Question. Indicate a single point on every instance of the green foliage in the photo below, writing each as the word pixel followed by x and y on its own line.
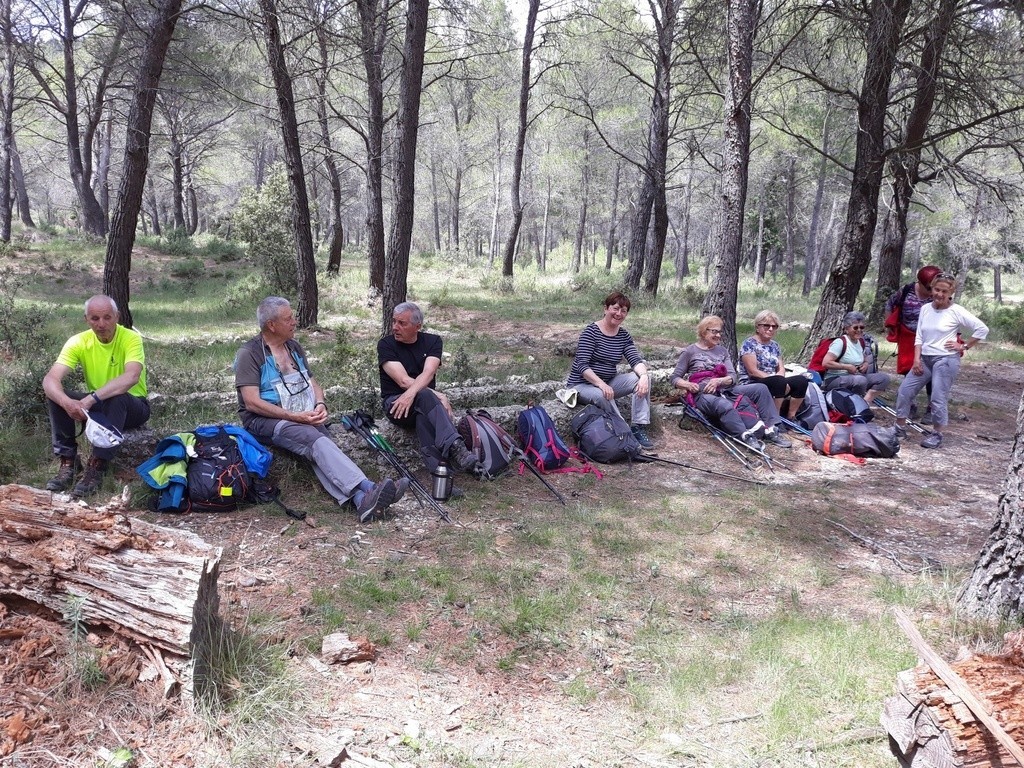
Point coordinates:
pixel 221 250
pixel 1009 322
pixel 263 220
pixel 462 365
pixel 22 327
pixel 85 663
pixel 189 269
pixel 352 366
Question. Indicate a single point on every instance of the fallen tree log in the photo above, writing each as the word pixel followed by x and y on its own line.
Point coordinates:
pixel 156 585
pixel 932 726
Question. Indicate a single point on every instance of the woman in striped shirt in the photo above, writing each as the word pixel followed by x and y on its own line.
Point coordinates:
pixel 595 375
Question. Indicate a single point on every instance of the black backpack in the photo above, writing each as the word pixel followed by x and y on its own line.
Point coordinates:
pixel 604 437
pixel 849 404
pixel 217 478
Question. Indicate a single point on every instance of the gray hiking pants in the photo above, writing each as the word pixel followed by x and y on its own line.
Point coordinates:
pixel 859 384
pixel 941 371
pixel 337 473
pixel 623 384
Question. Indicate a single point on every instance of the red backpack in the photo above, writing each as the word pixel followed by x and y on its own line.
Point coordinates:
pixel 818 358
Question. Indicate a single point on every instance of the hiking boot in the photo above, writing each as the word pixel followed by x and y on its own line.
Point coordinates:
pixel 401 486
pixel 69 467
pixel 901 432
pixel 927 418
pixel 92 478
pixel 377 499
pixel 775 438
pixel 460 457
pixel 934 440
pixel 753 442
pixel 640 433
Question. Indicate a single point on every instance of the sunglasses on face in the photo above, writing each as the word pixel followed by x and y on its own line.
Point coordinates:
pixel 857 327
pixel 768 325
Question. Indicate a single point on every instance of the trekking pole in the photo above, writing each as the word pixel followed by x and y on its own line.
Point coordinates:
pixel 892 412
pixel 719 436
pixel 362 424
pixel 518 454
pixel 391 455
pixel 794 426
pixel 643 457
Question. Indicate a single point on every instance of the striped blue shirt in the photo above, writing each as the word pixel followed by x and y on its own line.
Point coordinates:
pixel 602 354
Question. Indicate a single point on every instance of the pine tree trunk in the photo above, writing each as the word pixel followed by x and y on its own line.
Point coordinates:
pixel 136 157
pixel 308 310
pixel 396 266
pixel 372 27
pixel 851 263
pixel 721 296
pixel 996 586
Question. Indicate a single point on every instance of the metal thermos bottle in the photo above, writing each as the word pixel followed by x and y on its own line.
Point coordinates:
pixel 441 487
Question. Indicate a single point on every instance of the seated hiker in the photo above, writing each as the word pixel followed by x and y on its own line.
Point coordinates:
pixel 705 371
pixel 848 364
pixel 114 368
pixel 408 360
pixel 281 403
pixel 594 373
pixel 761 357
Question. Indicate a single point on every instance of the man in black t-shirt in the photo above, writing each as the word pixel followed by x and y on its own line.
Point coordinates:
pixel 408 360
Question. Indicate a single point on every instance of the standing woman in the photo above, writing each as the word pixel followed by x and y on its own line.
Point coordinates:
pixel 937 353
pixel 595 376
pixel 902 311
pixel 761 356
pixel 846 363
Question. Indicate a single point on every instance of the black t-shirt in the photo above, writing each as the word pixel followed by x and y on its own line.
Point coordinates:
pixel 411 356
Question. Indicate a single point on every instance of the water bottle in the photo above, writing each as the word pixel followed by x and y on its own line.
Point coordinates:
pixel 441 487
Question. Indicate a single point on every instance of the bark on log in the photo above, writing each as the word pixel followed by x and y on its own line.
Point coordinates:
pixel 930 726
pixel 154 584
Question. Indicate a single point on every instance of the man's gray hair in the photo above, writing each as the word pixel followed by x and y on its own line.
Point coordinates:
pixel 853 318
pixel 91 299
pixel 408 306
pixel 269 309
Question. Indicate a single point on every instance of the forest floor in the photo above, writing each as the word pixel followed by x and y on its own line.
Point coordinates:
pixel 467 676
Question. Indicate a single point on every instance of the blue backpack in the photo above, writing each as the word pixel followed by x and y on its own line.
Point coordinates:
pixel 543 446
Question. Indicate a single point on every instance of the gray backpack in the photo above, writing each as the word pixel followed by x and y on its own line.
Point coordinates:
pixel 865 440
pixel 604 437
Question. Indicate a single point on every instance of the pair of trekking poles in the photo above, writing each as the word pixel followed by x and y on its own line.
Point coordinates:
pixel 362 424
pixel 750 456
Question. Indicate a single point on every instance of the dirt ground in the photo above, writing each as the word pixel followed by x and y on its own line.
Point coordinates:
pixel 381 710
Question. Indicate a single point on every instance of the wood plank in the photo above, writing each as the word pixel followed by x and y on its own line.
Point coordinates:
pixel 958 686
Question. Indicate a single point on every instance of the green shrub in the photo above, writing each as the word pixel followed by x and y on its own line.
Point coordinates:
pixel 222 250
pixel 188 269
pixel 1009 322
pixel 263 220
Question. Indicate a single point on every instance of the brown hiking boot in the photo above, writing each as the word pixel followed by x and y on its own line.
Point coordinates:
pixel 92 479
pixel 69 467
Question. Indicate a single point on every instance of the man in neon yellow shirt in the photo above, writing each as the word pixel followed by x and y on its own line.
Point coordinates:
pixel 114 367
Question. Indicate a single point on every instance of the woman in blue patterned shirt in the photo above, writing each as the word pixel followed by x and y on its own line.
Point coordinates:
pixel 761 358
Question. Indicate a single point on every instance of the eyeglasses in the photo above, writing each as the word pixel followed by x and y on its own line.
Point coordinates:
pixel 767 325
pixel 857 327
pixel 715 330
pixel 301 388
